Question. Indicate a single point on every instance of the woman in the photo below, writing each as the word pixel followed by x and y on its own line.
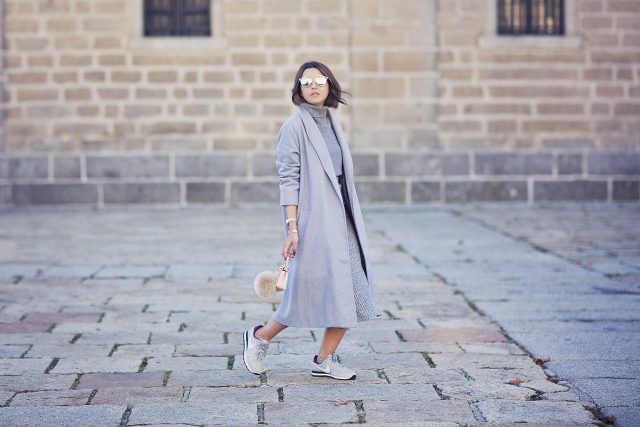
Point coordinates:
pixel 329 284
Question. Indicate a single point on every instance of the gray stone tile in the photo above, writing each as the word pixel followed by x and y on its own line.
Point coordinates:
pixel 34 194
pixel 256 395
pixel 626 190
pixel 264 165
pixel 211 165
pixel 254 192
pixel 365 164
pixel 13 351
pixel 206 192
pixel 23 366
pixel 473 390
pixel 96 364
pixel 23 167
pixel 569 190
pixel 187 363
pixel 10 270
pixel 130 271
pixel 71 271
pixel 43 416
pixel 512 164
pixel 350 391
pixel 408 411
pixel 614 163
pixel 120 380
pixel 137 395
pixel 6 194
pixel 280 413
pixel 215 378
pixel 512 411
pixel 194 413
pixel 65 166
pixel 52 398
pixel 279 377
pixel 568 163
pixel 130 166
pixel 36 381
pixel 147 192
pixel 425 191
pixel 372 191
pixel 471 191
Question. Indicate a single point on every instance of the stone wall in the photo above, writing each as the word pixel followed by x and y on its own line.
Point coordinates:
pixel 442 109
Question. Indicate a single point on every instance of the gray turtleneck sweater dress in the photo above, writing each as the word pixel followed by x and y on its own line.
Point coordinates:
pixel 365 305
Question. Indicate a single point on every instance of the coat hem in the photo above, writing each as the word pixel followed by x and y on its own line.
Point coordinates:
pixel 306 325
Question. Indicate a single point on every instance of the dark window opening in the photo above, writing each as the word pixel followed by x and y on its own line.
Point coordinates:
pixel 531 17
pixel 182 18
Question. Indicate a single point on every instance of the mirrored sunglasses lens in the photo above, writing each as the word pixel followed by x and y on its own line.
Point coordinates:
pixel 305 81
pixel 321 80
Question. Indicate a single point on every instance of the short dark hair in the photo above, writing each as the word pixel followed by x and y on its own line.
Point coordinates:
pixel 335 91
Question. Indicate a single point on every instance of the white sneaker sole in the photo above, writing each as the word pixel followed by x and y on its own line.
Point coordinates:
pixel 325 374
pixel 245 339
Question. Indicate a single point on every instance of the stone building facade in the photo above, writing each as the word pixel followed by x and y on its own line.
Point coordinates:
pixel 443 108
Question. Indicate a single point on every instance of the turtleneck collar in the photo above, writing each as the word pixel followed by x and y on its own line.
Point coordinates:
pixel 315 111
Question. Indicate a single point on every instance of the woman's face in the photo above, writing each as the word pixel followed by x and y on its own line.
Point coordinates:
pixel 314 94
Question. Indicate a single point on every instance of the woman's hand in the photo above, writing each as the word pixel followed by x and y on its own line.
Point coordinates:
pixel 291 242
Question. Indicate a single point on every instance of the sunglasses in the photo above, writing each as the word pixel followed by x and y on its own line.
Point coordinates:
pixel 307 81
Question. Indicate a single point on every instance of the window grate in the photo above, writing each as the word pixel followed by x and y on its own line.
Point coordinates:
pixel 181 18
pixel 531 17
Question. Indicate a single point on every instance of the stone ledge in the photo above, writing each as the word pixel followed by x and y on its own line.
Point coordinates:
pixel 393 191
pixel 382 177
pixel 91 165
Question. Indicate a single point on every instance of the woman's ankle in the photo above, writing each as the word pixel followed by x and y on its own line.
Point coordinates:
pixel 258 334
pixel 319 358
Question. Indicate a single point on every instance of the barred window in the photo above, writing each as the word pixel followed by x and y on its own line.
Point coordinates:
pixel 531 17
pixel 178 18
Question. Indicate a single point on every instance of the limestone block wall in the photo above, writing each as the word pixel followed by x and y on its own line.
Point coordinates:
pixel 80 78
pixel 540 113
pixel 579 91
pixel 443 110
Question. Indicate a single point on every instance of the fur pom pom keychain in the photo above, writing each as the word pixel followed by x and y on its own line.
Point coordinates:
pixel 267 283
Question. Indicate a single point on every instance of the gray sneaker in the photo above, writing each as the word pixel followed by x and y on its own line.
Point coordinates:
pixel 330 367
pixel 255 350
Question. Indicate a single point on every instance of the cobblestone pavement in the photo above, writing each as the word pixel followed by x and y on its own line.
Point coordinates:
pixel 133 316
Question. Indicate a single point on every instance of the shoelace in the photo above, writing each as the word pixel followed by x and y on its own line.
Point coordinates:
pixel 333 360
pixel 262 348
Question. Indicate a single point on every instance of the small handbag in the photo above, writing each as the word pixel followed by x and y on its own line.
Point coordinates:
pixel 268 282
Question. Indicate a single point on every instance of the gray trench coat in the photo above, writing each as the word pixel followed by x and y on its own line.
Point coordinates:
pixel 319 289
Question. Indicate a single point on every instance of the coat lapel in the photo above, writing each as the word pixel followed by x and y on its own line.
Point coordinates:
pixel 317 141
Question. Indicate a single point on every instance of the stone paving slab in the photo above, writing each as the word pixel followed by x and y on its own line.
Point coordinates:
pixel 51 398
pixel 47 416
pixel 193 413
pixel 141 330
pixel 558 278
pixel 339 392
pixel 137 395
pixel 533 411
pixel 279 413
pixel 283 377
pixel 454 411
pixel 36 381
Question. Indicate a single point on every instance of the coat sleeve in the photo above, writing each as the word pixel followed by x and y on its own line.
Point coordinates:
pixel 288 165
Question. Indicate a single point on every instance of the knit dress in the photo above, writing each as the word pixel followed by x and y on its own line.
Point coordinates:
pixel 364 296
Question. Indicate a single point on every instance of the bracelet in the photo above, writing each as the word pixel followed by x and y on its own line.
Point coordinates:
pixel 289 220
pixel 294 231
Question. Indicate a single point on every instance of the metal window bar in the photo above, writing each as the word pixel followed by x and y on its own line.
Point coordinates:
pixel 181 18
pixel 531 17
